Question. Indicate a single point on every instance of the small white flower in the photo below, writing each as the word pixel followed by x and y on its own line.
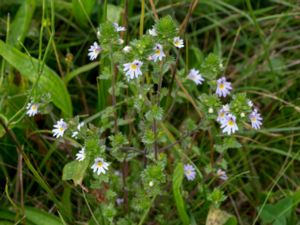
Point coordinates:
pixel 256 119
pixel 210 110
pixel 242 115
pixel 153 32
pixel 178 43
pixel 189 172
pixel 127 49
pixel 75 134
pixel 118 173
pixel 118 28
pixel 223 87
pixel 100 166
pixel 32 109
pixel 223 113
pixel 229 125
pixel 59 128
pixel 158 53
pixel 151 183
pixel 80 125
pixel 222 174
pixel 121 41
pixel 119 201
pixel 80 156
pixel 133 70
pixel 250 103
pixel 94 51
pixel 98 34
pixel 195 76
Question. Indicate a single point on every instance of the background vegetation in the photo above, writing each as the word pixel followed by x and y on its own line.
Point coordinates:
pixel 259 42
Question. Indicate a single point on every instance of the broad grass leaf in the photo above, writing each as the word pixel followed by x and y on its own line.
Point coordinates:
pixel 75 171
pixel 82 9
pixel 49 81
pixel 219 217
pixel 177 181
pixel 279 213
pixel 21 23
pixel 39 217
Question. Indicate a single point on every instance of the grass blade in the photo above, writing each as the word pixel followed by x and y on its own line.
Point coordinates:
pixel 49 80
pixel 177 181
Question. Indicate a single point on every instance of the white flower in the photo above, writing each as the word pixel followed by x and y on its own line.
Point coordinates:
pixel 222 174
pixel 119 201
pixel 189 172
pixel 151 183
pixel 153 32
pixel 133 69
pixel 250 103
pixel 223 113
pixel 158 53
pixel 75 134
pixel 242 115
pixel 178 42
pixel 127 49
pixel 121 41
pixel 80 156
pixel 229 125
pixel 80 125
pixel 59 128
pixel 195 76
pixel 32 109
pixel 223 87
pixel 100 166
pixel 256 119
pixel 94 51
pixel 118 28
pixel 210 110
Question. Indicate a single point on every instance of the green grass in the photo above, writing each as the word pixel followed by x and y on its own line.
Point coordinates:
pixel 259 42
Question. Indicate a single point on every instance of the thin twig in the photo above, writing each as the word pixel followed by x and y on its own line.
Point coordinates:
pixel 153 9
pixel 183 25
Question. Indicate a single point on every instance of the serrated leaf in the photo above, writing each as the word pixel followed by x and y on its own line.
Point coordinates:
pixel 176 186
pixel 49 81
pixel 75 171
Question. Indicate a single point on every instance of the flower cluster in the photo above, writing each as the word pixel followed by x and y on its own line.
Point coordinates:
pixel 99 166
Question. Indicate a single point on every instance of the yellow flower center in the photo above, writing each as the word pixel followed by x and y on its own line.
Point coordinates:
pixel 221 86
pixel 176 43
pixel 230 123
pixel 34 107
pixel 61 129
pixel 133 66
pixel 157 52
pixel 253 119
pixel 100 164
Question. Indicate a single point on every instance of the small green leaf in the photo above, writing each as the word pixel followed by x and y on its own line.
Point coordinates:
pixel 113 13
pixel 211 67
pixel 49 81
pixel 75 171
pixel 177 181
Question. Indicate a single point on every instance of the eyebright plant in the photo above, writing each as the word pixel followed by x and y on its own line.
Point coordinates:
pixel 129 150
